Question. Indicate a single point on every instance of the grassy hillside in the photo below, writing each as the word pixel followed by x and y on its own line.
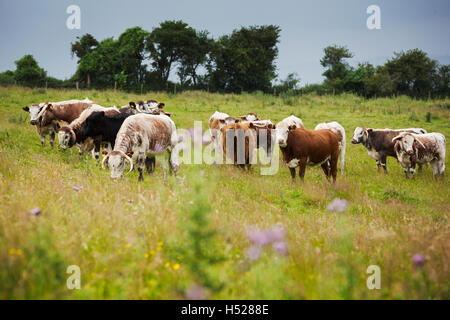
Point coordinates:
pixel 152 240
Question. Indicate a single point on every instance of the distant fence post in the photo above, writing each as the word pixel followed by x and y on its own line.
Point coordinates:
pixel 77 84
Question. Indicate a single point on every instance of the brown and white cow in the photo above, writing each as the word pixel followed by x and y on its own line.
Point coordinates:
pixel 339 131
pixel 413 148
pixel 379 144
pixel 141 135
pixel 69 135
pixel 239 141
pixel 46 116
pixel 216 122
pixel 63 112
pixel 43 131
pixel 311 147
pixel 284 126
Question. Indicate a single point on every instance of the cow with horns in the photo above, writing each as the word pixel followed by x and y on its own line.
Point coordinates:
pixel 139 136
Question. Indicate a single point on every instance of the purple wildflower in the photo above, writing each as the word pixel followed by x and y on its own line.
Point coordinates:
pixel 276 233
pixel 196 292
pixel 418 260
pixel 258 236
pixel 35 211
pixel 206 138
pixel 175 164
pixel 253 252
pixel 158 148
pixel 280 247
pixel 338 205
pixel 180 138
pixel 77 188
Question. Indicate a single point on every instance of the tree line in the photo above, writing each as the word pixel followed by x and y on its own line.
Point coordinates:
pixel 139 60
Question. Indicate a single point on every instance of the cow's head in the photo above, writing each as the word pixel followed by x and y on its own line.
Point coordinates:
pixel 360 135
pixel 93 124
pixel 46 114
pixel 282 131
pixel 227 121
pixel 66 137
pixel 116 161
pixel 250 117
pixel 34 110
pixel 406 141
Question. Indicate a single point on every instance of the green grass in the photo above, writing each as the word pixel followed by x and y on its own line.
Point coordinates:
pixel 137 240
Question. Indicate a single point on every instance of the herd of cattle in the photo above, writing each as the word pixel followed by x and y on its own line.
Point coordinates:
pixel 137 132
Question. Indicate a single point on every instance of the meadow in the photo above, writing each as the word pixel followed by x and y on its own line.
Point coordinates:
pixel 192 236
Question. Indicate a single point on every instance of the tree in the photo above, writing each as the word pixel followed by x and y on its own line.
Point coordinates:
pixel 165 45
pixel 336 68
pixel 131 49
pixel 379 84
pixel 82 47
pixel 193 56
pixel 28 72
pixel 244 60
pixel 412 72
pixel 441 81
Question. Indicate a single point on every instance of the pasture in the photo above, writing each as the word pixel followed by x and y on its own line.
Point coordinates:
pixel 187 236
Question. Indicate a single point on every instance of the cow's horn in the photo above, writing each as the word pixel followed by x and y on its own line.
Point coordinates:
pixel 130 160
pixel 103 161
pixel 420 142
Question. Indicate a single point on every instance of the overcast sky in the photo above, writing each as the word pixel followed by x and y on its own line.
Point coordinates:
pixel 39 28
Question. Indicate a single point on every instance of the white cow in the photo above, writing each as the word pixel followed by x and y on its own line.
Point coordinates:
pixel 282 129
pixel 339 131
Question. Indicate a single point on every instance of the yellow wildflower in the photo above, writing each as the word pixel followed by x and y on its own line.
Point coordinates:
pixel 127 245
pixel 176 266
pixel 146 255
pixel 152 252
pixel 160 243
pixel 167 264
pixel 19 252
pixel 12 251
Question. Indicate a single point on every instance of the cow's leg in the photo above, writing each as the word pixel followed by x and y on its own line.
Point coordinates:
pixel 150 164
pixel 292 170
pixel 302 168
pixel 378 166
pixel 97 146
pixel 334 165
pixel 141 165
pixel 169 152
pixel 52 138
pixel 435 166
pixel 419 169
pixel 383 163
pixel 441 166
pixel 43 140
pixel 326 169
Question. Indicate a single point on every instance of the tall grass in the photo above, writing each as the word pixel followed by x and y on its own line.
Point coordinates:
pixel 161 238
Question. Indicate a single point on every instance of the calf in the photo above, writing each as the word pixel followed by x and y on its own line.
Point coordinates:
pixel 141 135
pixel 311 147
pixel 43 131
pixel 72 134
pixel 284 126
pixel 413 148
pixel 239 142
pixel 98 123
pixel 339 131
pixel 379 144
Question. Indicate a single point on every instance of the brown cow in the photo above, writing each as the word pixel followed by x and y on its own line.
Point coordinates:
pixel 311 147
pixel 64 111
pixel 239 140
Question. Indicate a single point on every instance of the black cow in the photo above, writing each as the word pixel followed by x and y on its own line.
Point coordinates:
pixel 107 126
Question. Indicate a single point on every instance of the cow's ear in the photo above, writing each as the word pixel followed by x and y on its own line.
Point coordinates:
pixel 292 127
pixel 270 126
pixel 222 121
pixel 161 105
pixel 396 138
pixel 26 109
pixel 130 153
pixel 104 152
pixel 237 120
pixel 370 130
pixel 251 125
pixel 50 106
pixel 132 105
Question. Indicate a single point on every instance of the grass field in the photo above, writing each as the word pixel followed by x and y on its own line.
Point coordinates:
pixel 183 237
